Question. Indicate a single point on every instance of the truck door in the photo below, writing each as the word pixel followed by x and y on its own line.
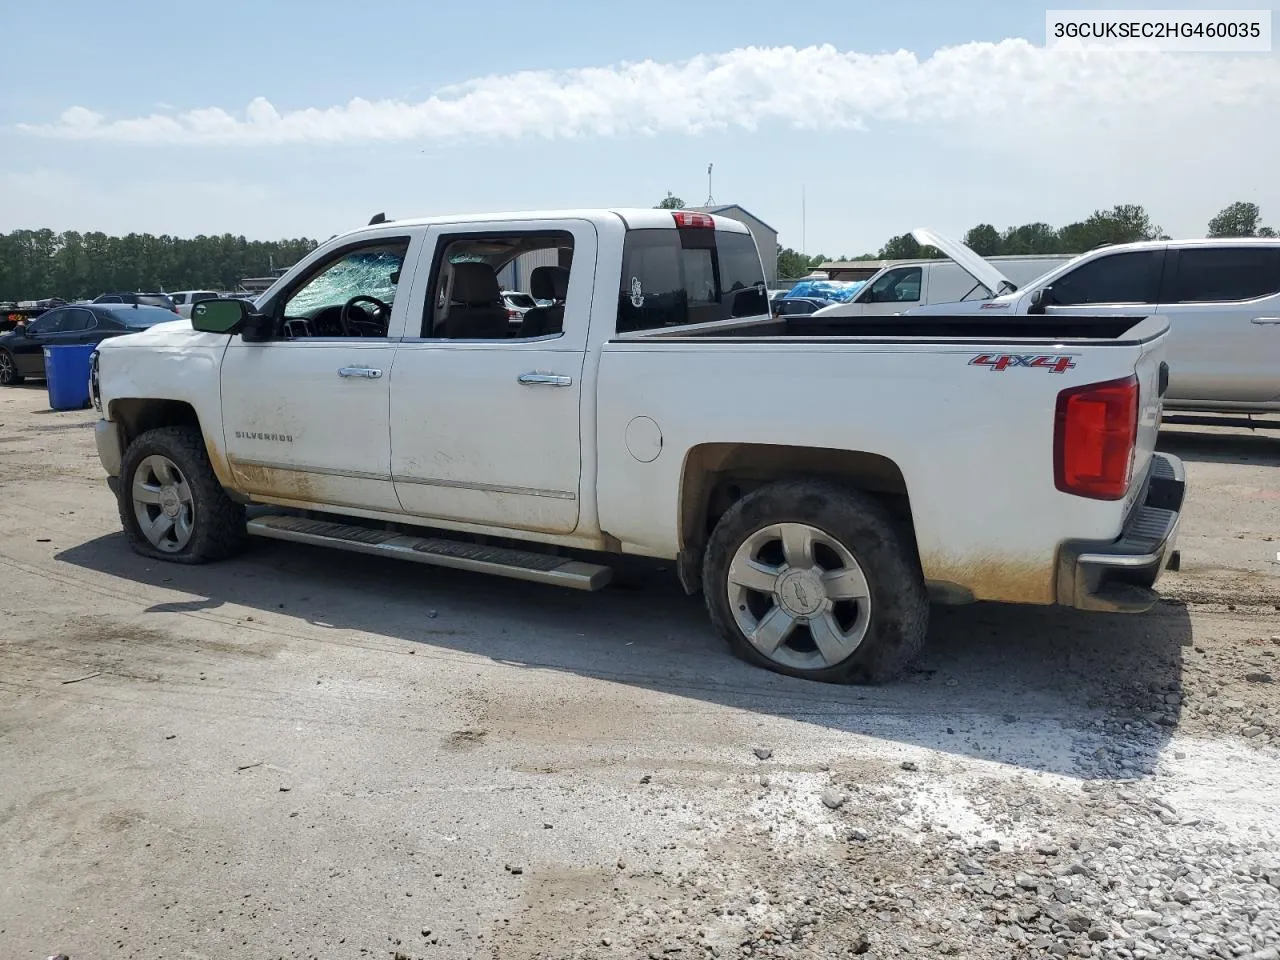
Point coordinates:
pixel 1117 284
pixel 485 413
pixel 1223 305
pixel 305 414
pixel 894 291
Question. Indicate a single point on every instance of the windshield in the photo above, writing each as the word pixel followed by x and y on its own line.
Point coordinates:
pixel 369 272
pixel 691 275
pixel 154 300
pixel 522 300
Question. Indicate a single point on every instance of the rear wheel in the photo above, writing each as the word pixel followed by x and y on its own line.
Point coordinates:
pixel 810 578
pixel 172 506
pixel 8 370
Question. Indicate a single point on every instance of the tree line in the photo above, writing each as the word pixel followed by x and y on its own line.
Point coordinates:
pixel 40 263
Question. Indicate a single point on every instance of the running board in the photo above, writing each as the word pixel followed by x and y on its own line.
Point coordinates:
pixel 504 562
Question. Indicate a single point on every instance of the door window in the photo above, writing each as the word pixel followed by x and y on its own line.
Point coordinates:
pixel 47 324
pixel 1132 277
pixel 179 299
pixel 465 299
pixel 1225 274
pixel 349 295
pixel 897 286
pixel 77 321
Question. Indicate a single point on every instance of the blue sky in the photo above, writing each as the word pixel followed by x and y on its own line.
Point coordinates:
pixel 500 106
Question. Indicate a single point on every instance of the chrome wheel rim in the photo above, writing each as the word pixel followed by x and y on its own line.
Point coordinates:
pixel 799 596
pixel 6 369
pixel 163 504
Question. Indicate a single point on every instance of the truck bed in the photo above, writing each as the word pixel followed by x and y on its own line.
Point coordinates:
pixel 999 328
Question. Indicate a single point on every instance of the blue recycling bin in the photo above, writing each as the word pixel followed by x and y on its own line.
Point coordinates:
pixel 66 374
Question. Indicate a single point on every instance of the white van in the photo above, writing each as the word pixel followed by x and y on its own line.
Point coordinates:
pixel 915 283
pixel 184 300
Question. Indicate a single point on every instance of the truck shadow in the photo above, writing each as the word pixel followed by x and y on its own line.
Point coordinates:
pixel 1057 691
pixel 1210 445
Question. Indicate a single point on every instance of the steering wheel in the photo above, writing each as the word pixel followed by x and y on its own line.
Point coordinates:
pixel 345 321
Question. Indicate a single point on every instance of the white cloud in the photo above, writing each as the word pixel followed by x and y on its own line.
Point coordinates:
pixel 985 84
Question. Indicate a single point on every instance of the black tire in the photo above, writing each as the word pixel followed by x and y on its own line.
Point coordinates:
pixel 218 527
pixel 9 376
pixel 899 606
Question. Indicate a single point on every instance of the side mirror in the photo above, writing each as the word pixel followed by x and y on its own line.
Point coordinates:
pixel 231 316
pixel 1039 300
pixel 218 316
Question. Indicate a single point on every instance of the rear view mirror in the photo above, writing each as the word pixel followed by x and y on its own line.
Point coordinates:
pixel 218 316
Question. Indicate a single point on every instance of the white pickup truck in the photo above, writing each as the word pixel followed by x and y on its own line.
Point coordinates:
pixel 818 489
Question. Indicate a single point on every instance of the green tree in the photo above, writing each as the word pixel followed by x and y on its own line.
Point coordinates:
pixel 670 202
pixel 1124 223
pixel 984 240
pixel 1030 238
pixel 1239 219
pixel 902 247
pixel 792 264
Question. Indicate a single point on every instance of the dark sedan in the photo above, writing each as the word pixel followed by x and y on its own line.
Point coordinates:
pixel 22 349
pixel 798 306
pixel 141 299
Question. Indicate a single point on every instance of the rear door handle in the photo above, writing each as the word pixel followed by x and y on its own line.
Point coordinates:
pixel 550 379
pixel 367 373
pixel 1262 320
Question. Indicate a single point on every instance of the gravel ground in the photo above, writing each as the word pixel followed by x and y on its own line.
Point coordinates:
pixel 305 754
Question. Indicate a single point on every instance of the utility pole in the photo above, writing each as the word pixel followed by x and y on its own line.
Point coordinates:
pixel 711 200
pixel 803 223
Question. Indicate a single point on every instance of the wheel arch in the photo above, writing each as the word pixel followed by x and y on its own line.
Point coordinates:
pixel 137 415
pixel 716 475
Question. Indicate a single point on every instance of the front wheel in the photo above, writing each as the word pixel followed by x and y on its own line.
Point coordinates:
pixel 810 578
pixel 172 506
pixel 9 375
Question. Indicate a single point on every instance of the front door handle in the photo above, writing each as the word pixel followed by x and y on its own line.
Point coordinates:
pixel 368 373
pixel 551 379
pixel 1261 320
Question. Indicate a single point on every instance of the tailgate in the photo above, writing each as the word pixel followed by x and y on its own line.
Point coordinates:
pixel 1153 380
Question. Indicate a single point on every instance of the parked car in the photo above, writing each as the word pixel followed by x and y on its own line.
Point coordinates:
pixel 22 349
pixel 1221 298
pixel 16 313
pixel 184 300
pixel 140 299
pixel 797 306
pixel 833 291
pixel 657 410
pixel 913 283
pixel 518 304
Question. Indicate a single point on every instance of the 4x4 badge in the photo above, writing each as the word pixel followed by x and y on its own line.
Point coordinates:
pixel 1003 361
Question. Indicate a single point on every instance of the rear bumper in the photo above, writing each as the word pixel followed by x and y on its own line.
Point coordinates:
pixel 1117 576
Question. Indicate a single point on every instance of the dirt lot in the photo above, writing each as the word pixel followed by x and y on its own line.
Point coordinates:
pixel 308 754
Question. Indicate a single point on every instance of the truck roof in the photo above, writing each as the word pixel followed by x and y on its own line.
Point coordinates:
pixel 634 218
pixel 1189 242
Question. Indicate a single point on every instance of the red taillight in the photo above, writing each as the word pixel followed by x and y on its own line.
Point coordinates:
pixel 700 220
pixel 513 314
pixel 1095 431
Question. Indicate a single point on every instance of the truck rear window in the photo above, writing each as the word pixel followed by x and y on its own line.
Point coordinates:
pixel 673 278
